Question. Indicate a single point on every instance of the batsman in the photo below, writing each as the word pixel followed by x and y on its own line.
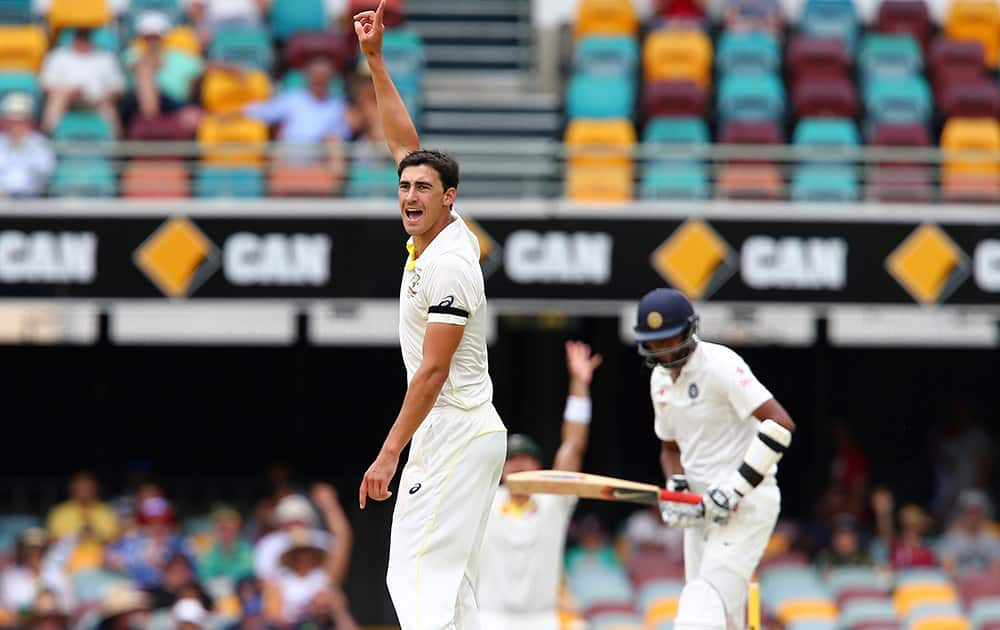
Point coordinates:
pixel 722 435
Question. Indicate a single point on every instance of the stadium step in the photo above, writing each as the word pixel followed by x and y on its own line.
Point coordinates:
pixel 480 35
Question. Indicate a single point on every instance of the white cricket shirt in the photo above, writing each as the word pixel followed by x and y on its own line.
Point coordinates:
pixel 708 412
pixel 522 557
pixel 445 285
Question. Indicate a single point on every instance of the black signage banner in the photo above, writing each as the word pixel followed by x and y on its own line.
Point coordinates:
pixel 593 259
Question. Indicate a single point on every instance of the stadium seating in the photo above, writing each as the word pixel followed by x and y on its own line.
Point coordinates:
pixel 21 82
pixel 825 97
pixel 751 97
pixel 78 14
pixel 246 48
pixel 898 101
pixel 301 180
pixel 678 55
pixel 889 56
pixel 295 79
pixel 974 98
pixel 600 97
pixel 161 179
pixel 80 126
pixel 22 47
pixel 84 177
pixel 743 53
pixel 976 20
pixel 831 18
pixel 817 57
pixel 15 11
pixel 339 48
pixel 984 611
pixel 224 92
pixel 683 181
pixel 606 56
pixel 673 98
pixel 600 162
pixel 971 179
pixel 605 17
pixel 219 181
pixel 368 181
pixel 905 16
pixel 104 38
pixel 181 38
pixel 232 141
pixel 978 586
pixel 161 128
pixel 289 18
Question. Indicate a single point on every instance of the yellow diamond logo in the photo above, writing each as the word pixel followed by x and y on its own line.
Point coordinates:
pixel 489 249
pixel 177 257
pixel 694 260
pixel 928 264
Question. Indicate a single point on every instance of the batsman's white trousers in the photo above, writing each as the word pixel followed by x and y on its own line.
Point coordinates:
pixel 492 620
pixel 726 556
pixel 442 507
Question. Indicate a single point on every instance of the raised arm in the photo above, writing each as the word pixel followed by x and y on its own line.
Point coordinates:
pixel 400 134
pixel 339 559
pixel 581 364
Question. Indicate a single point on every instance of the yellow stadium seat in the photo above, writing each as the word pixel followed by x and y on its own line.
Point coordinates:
pixel 599 184
pixel 661 610
pixel 977 20
pixel 600 142
pixel 678 55
pixel 907 596
pixel 605 17
pixel 246 139
pixel 971 134
pixel 22 47
pixel 225 92
pixel 180 38
pixel 940 622
pixel 806 609
pixel 78 14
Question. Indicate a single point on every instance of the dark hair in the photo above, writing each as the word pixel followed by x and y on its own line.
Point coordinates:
pixel 446 166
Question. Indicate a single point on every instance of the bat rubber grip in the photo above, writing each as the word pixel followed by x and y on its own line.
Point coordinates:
pixel 680 497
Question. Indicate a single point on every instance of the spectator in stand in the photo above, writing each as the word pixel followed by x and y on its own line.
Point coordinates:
pixel 163 79
pixel 307 569
pixel 845 548
pixel 248 591
pixel 907 549
pixel 231 555
pixel 47 614
pixel 963 453
pixel 27 577
pixel 179 582
pixel 591 546
pixel 143 554
pixel 83 514
pixel 280 484
pixel 210 16
pixel 124 608
pixel 312 117
pixel 189 614
pixel 328 610
pixel 849 470
pixel 80 76
pixel 645 534
pixel 369 146
pixel 969 547
pixel 295 513
pixel 26 159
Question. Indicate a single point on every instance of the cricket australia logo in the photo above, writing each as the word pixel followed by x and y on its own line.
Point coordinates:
pixel 411 291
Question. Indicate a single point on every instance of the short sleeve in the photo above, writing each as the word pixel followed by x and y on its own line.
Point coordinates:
pixel 744 391
pixel 662 426
pixel 453 291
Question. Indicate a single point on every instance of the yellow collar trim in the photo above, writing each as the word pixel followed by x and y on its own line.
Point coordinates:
pixel 412 262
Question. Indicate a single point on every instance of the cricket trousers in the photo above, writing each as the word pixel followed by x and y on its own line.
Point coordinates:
pixel 442 507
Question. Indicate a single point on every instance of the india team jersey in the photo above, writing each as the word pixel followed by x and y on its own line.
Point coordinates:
pixel 708 411
pixel 522 554
pixel 445 285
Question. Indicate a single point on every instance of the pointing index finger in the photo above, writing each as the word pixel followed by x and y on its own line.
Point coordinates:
pixel 379 12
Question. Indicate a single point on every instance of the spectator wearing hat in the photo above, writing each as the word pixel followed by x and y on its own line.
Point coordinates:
pixel 82 77
pixel 328 610
pixel 307 569
pixel 845 546
pixel 189 614
pixel 83 514
pixel 26 159
pixel 47 613
pixel 969 546
pixel 294 512
pixel 179 581
pixel 162 79
pixel 23 581
pixel 124 608
pixel 143 554
pixel 231 555
pixel 907 549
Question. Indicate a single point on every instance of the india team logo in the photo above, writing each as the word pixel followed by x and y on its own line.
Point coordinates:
pixel 693 391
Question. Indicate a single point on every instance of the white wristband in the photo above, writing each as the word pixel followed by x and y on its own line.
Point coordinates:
pixel 578 409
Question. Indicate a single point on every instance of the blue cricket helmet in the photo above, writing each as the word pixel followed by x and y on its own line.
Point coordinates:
pixel 662 314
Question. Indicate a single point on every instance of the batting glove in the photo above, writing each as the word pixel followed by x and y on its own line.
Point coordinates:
pixel 681 514
pixel 719 503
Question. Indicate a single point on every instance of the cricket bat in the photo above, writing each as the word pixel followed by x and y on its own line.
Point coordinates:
pixel 588 486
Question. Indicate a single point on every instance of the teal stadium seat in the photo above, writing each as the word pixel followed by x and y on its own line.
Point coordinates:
pixel 289 18
pixel 825 182
pixel 84 177
pixel 295 79
pixel 250 48
pixel 657 589
pixel 11 526
pixel 380 182
pixel 223 181
pixel 105 39
pixel 984 611
pixel 171 8
pixel 606 56
pixel 858 611
pixel 752 52
pixel 403 51
pixel 15 11
pixel 78 126
pixel 812 624
pixel 600 97
pixel 901 100
pixel 783 583
pixel 609 621
pixel 26 82
pixel 841 579
pixel 831 18
pixel 676 130
pixel 910 576
pixel 90 586
pixel 674 182
pixel 751 98
pixel 825 132
pixel 888 56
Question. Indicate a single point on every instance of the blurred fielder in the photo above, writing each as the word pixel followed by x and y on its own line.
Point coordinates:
pixel 723 434
pixel 523 549
pixel 458 440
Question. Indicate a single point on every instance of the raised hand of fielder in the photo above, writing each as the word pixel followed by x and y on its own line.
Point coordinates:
pixel 581 363
pixel 369 29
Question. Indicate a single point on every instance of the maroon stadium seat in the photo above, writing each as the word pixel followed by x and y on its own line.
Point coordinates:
pixel 974 99
pixel 787 558
pixel 868 592
pixel 877 625
pixel 899 181
pixel 990 625
pixel 164 127
pixel 750 181
pixel 339 48
pixel 906 16
pixel 811 56
pixel 672 98
pixel 825 97
pixel 943 79
pixel 609 607
pixel 751 132
pixel 952 60
pixel 647 566
pixel 978 586
pixel 910 135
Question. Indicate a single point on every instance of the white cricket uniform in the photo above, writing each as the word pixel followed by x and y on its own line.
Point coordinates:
pixel 457 453
pixel 708 411
pixel 522 562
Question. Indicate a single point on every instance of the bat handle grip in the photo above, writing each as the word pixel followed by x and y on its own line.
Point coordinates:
pixel 680 497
